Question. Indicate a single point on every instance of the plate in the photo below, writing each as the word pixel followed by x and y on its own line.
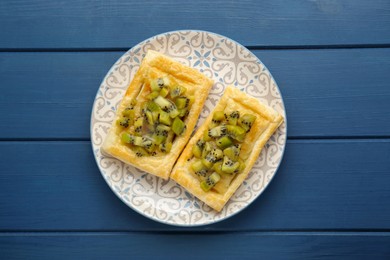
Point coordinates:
pixel 228 63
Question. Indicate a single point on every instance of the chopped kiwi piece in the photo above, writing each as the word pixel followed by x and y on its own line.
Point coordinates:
pixel 218 116
pixel 246 121
pixel 212 157
pixel 152 95
pixel 198 148
pixel 164 92
pixel 210 181
pixel 241 167
pixel 165 147
pixel 163 103
pixel 161 134
pixel 178 126
pixel 233 117
pixel 158 84
pixel 206 136
pixel 128 112
pixel 138 125
pixel 206 149
pixel 217 167
pixel 229 166
pixel 165 118
pixel 232 152
pixel 123 122
pixel 217 131
pixel 183 112
pixel 174 112
pixel 139 151
pixel 177 91
pixel 199 169
pixel 149 117
pixel 127 138
pixel 182 102
pixel 152 106
pixel 147 142
pixel 236 132
pixel 224 142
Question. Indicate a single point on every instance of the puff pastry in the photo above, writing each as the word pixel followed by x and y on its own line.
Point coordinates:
pixel 156 65
pixel 268 120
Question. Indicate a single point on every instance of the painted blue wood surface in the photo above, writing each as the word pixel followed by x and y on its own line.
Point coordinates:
pixel 329 199
pixel 264 245
pixel 327 92
pixel 91 24
pixel 339 184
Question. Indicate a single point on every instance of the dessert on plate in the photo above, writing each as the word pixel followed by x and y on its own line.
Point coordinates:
pixel 220 155
pixel 157 114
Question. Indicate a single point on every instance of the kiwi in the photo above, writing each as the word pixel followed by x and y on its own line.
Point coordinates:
pixel 177 91
pixel 149 117
pixel 229 166
pixel 163 103
pixel 233 117
pixel 236 132
pixel 241 167
pixel 218 116
pixel 182 102
pixel 138 126
pixel 217 167
pixel 178 126
pixel 152 95
pixel 127 138
pixel 206 136
pixel 198 148
pixel 165 147
pixel 165 118
pixel 123 122
pixel 246 121
pixel 183 112
pixel 217 131
pixel 232 152
pixel 224 142
pixel 164 92
pixel 210 181
pixel 160 134
pixel 206 149
pixel 212 157
pixel 128 112
pixel 139 151
pixel 159 83
pixel 199 169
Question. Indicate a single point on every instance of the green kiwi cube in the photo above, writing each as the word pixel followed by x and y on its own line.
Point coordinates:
pixel 165 118
pixel 224 142
pixel 178 126
pixel 210 181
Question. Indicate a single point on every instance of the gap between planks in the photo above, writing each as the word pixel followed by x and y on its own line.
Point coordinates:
pixel 270 47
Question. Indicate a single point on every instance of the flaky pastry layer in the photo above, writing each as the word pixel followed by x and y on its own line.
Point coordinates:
pixel 268 120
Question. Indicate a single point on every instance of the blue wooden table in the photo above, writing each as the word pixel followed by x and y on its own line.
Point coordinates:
pixel 330 197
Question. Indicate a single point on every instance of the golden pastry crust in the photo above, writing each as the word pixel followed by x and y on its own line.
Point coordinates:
pixel 156 65
pixel 268 120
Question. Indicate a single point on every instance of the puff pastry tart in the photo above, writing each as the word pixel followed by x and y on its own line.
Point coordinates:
pixel 220 155
pixel 157 114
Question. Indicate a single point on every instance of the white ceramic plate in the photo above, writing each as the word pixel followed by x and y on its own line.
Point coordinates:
pixel 228 63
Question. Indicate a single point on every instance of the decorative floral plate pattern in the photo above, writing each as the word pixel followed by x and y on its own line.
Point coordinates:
pixel 228 63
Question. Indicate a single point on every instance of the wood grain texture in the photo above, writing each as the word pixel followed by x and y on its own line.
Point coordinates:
pixel 327 92
pixel 120 24
pixel 340 184
pixel 268 245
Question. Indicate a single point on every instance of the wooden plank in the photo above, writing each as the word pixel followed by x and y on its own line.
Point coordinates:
pixel 339 184
pixel 196 245
pixel 122 24
pixel 327 92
